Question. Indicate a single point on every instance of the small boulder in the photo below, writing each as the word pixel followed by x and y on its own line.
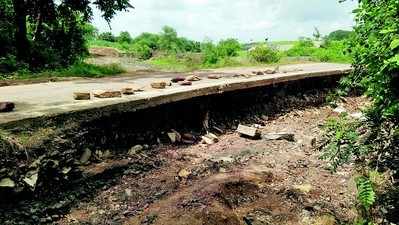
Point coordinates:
pixel 210 139
pixel 247 131
pixel 193 78
pixel 7 106
pixel 127 91
pixel 178 79
pixel 214 76
pixel 81 96
pixel 107 94
pixel 159 85
pixel 185 83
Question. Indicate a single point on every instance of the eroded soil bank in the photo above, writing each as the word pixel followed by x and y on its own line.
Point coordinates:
pixel 234 181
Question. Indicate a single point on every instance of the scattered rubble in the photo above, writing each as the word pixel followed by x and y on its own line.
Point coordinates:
pixel 107 94
pixel 159 85
pixel 247 131
pixel 81 96
pixel 7 106
pixel 135 150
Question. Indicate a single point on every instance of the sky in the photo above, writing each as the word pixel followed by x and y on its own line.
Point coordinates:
pixel 245 20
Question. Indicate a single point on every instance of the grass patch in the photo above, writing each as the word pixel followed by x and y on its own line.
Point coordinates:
pixel 77 70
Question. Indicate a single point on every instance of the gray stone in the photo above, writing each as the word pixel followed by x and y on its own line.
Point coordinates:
pixel 135 149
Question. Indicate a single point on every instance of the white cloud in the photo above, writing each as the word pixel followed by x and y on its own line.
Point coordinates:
pixel 242 19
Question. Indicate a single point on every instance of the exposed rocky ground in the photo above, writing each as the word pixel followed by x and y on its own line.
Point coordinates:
pixel 234 181
pixel 123 169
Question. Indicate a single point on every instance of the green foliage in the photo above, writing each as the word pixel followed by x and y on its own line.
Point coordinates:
pixel 124 37
pixel 365 192
pixel 107 36
pixel 141 51
pixel 330 51
pixel 228 48
pixel 342 141
pixel 339 35
pixel 376 56
pixel 264 54
pixel 304 47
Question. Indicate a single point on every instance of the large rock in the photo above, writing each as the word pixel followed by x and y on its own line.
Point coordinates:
pixel 7 106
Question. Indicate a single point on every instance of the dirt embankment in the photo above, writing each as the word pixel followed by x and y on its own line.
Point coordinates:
pixel 235 181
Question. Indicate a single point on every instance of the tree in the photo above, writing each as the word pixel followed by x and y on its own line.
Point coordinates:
pixel 53 23
pixel 316 34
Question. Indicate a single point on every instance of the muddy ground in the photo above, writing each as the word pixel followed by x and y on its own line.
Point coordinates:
pixel 234 181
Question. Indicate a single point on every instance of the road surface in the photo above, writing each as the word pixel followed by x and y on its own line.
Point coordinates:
pixel 55 98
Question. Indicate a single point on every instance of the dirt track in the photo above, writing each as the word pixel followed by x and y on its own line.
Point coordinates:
pixel 235 181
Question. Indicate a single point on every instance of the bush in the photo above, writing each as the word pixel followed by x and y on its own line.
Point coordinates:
pixel 228 48
pixel 124 37
pixel 141 51
pixel 210 53
pixel 339 35
pixel 304 47
pixel 264 54
pixel 107 36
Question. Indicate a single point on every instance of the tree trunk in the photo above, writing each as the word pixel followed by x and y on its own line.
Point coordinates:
pixel 21 39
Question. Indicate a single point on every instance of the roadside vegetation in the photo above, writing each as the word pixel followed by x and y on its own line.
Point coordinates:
pixel 372 145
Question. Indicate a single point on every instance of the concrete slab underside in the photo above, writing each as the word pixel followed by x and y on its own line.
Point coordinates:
pixel 56 98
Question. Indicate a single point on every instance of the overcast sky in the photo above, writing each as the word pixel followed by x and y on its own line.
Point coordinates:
pixel 245 20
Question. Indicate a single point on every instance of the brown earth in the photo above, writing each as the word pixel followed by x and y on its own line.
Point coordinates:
pixel 235 181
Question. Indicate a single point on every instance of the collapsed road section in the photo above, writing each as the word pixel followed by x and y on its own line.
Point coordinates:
pixel 53 159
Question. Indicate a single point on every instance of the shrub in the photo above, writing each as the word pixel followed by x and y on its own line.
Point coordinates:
pixel 339 35
pixel 264 54
pixel 210 53
pixel 107 36
pixel 304 47
pixel 141 51
pixel 124 37
pixel 228 48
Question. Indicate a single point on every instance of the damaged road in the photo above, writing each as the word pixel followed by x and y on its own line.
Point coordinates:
pixel 181 163
pixel 234 181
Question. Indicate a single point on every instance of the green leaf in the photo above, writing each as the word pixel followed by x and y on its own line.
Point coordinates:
pixel 394 44
pixel 387 31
